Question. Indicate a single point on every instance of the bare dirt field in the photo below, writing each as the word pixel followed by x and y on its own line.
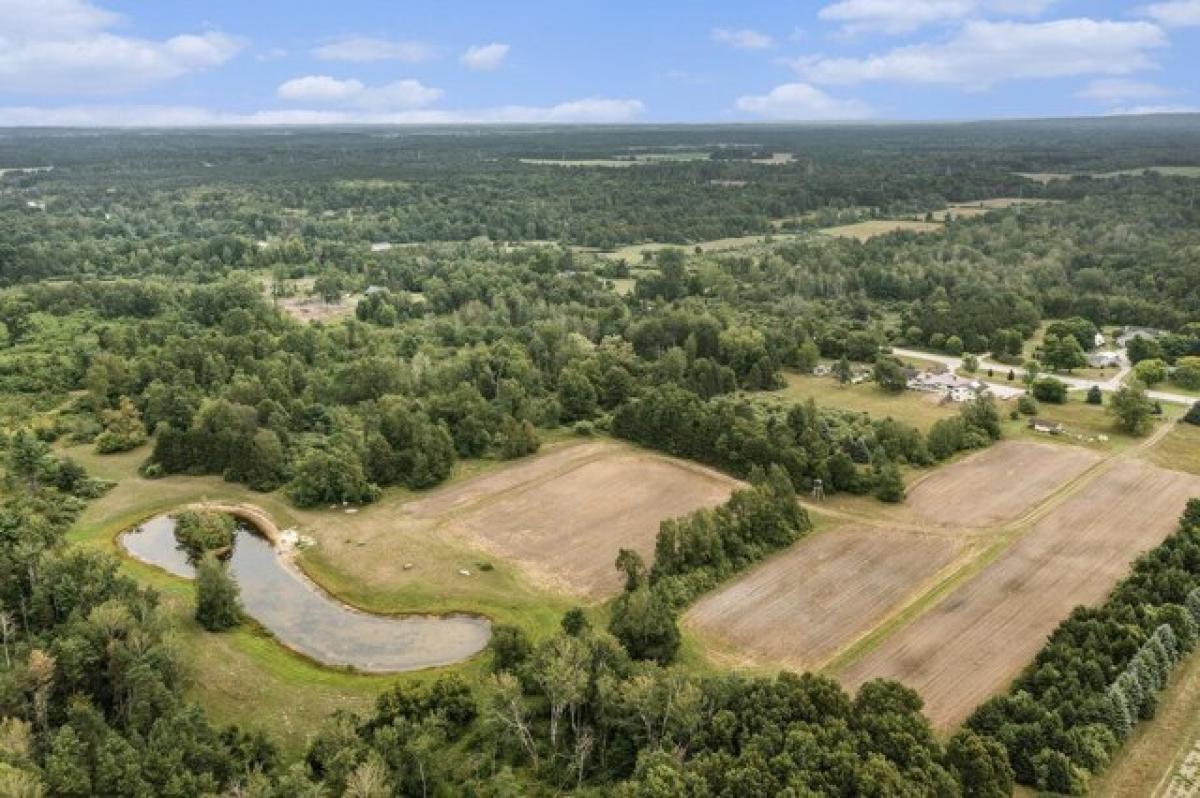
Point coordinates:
pixel 982 633
pixel 565 528
pixel 517 474
pixel 801 607
pixel 997 484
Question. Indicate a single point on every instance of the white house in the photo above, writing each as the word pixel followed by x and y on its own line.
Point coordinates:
pixel 957 389
pixel 1100 360
pixel 381 246
pixel 1099 340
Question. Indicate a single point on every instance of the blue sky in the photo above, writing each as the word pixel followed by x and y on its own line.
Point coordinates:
pixel 185 62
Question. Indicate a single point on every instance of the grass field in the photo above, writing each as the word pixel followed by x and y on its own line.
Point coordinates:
pixel 805 604
pixel 633 252
pixel 641 159
pixel 973 641
pixel 1179 450
pixel 624 285
pixel 1167 171
pixel 864 231
pixel 246 667
pixel 918 409
pixel 970 210
pixel 1085 425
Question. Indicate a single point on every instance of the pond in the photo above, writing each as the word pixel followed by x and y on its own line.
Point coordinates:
pixel 306 619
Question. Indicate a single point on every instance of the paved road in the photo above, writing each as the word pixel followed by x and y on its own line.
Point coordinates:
pixel 1006 389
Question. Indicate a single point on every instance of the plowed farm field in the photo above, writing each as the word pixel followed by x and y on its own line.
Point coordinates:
pixel 975 641
pixel 564 521
pixel 998 484
pixel 802 606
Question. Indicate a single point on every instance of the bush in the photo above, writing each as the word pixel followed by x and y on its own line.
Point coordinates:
pixel 1048 389
pixel 1095 396
pixel 1151 372
pixel 1193 414
pixel 202 531
pixel 517 438
pixel 1027 405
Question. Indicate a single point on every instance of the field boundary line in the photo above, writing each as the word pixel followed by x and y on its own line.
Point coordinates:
pixel 1001 538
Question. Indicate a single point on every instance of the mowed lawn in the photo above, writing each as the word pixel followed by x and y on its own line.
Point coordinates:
pixel 1179 450
pixel 1085 425
pixel 918 409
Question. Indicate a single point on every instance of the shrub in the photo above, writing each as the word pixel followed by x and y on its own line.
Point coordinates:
pixel 1027 405
pixel 1193 414
pixel 1048 389
pixel 202 531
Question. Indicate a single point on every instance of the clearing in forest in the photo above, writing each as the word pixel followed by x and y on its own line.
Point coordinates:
pixel 997 484
pixel 802 606
pixel 921 410
pixel 564 526
pixel 976 639
pixel 864 231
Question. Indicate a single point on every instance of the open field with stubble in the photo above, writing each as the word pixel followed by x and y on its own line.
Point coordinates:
pixel 564 528
pixel 976 639
pixel 800 607
pixel 997 484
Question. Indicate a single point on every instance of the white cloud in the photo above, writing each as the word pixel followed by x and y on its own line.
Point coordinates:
pixel 1142 110
pixel 1175 13
pixel 368 48
pixel 485 56
pixel 891 16
pixel 65 46
pixel 743 39
pixel 324 89
pixel 985 53
pixel 53 19
pixel 1116 89
pixel 320 88
pixel 590 111
pixel 1029 8
pixel 905 16
pixel 273 54
pixel 801 101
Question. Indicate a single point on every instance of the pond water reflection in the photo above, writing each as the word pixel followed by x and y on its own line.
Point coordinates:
pixel 306 619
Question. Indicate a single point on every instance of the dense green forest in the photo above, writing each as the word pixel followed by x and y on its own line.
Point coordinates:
pixel 148 291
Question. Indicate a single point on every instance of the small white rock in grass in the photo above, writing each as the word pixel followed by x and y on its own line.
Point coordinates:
pixel 464 572
pixel 408 566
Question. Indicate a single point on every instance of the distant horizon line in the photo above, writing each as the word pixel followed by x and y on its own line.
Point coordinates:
pixel 249 126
